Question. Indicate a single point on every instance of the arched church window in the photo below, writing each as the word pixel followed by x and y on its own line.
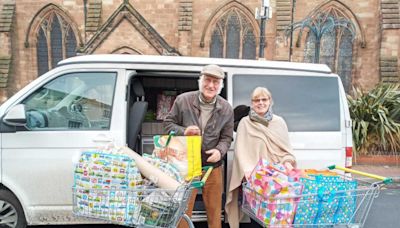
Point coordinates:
pixel 55 41
pixel 216 46
pixel 345 59
pixel 328 49
pixel 233 37
pixel 330 41
pixel 42 53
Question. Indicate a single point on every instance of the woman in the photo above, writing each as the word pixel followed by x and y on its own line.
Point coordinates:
pixel 261 134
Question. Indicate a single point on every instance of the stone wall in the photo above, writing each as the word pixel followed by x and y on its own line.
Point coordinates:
pixel 183 27
pixel 390 43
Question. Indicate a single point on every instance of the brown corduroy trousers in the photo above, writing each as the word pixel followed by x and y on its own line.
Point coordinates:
pixel 212 198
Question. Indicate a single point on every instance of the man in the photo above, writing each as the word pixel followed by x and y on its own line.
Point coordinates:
pixel 206 113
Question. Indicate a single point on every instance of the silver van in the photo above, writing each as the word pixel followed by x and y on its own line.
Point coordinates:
pixel 88 101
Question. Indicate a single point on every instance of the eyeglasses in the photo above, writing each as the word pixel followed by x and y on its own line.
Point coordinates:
pixel 260 99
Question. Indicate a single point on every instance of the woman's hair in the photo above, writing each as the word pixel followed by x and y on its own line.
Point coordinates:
pixel 261 91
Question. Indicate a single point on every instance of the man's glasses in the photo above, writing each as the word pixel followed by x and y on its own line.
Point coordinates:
pixel 260 99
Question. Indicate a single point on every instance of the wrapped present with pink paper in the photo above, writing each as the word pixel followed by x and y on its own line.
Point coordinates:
pixel 269 184
pixel 271 195
pixel 277 209
pixel 267 178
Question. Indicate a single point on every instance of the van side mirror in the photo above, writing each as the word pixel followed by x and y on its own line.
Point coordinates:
pixel 16 116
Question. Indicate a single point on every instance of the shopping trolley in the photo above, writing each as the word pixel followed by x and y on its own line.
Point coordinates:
pixel 339 208
pixel 139 207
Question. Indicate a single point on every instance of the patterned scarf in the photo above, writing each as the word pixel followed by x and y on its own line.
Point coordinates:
pixel 263 120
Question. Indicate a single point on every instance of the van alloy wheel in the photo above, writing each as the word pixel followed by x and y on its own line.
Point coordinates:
pixel 11 212
pixel 8 215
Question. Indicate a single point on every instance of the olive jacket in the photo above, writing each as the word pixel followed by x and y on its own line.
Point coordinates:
pixel 218 133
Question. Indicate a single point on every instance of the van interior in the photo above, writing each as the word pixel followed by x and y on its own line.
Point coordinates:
pixel 152 94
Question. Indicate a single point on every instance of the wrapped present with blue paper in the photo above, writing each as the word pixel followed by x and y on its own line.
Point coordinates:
pixel 328 200
pixel 100 183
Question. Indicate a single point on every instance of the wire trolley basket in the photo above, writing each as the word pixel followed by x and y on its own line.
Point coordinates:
pixel 326 207
pixel 140 207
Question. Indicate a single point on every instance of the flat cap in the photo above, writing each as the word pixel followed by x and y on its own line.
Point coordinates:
pixel 214 71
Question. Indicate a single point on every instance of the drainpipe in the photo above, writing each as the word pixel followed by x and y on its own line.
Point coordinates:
pixel 291 30
pixel 85 15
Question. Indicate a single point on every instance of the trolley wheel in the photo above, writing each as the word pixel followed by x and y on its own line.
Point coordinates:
pixel 11 212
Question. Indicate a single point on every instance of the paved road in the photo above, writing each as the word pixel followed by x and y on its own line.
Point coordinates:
pixel 385 211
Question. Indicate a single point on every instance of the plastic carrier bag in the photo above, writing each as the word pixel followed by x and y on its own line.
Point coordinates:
pixel 332 200
pixel 184 152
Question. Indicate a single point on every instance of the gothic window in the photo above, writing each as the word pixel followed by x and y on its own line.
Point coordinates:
pixel 345 59
pixel 216 46
pixel 330 41
pixel 328 50
pixel 233 37
pixel 55 41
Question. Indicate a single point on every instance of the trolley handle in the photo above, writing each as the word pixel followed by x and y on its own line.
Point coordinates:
pixel 202 182
pixel 385 180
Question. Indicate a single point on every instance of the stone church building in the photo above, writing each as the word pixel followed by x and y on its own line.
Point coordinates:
pixel 358 39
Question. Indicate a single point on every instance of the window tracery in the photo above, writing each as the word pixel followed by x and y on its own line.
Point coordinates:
pixel 55 41
pixel 233 37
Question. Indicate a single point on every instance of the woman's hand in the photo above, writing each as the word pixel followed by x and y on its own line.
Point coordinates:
pixel 289 167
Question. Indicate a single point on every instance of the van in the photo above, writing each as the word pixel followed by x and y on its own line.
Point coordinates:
pixel 94 100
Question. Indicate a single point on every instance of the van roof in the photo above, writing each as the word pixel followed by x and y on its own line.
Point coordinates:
pixel 183 60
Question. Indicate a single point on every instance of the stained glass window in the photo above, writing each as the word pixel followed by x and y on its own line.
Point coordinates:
pixel 233 37
pixel 309 53
pixel 249 45
pixel 55 41
pixel 71 44
pixel 217 46
pixel 328 48
pixel 345 59
pixel 335 48
pixel 42 54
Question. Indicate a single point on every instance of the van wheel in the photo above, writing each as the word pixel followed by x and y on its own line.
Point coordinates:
pixel 11 213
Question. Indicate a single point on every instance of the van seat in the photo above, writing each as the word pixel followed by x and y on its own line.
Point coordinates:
pixel 137 112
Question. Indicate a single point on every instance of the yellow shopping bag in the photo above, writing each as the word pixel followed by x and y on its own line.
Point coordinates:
pixel 184 152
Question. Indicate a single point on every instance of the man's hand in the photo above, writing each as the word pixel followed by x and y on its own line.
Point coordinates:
pixel 192 130
pixel 215 155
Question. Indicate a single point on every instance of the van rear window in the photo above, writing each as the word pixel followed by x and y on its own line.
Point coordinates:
pixel 306 103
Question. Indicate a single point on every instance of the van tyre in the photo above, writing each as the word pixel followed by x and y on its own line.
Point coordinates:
pixel 11 213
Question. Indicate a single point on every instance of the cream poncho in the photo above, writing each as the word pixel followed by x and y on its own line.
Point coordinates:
pixel 254 141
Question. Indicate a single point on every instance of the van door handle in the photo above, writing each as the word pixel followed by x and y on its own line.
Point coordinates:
pixel 102 139
pixel 347 123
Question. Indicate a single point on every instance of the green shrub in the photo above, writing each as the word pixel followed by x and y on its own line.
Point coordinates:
pixel 376 119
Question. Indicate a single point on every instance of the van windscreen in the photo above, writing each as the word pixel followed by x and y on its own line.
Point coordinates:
pixel 307 103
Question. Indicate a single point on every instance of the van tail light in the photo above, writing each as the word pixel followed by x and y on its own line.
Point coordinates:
pixel 349 157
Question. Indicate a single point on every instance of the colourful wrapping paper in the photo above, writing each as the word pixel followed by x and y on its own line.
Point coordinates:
pixel 169 169
pixel 184 152
pixel 332 200
pixel 101 181
pixel 270 194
